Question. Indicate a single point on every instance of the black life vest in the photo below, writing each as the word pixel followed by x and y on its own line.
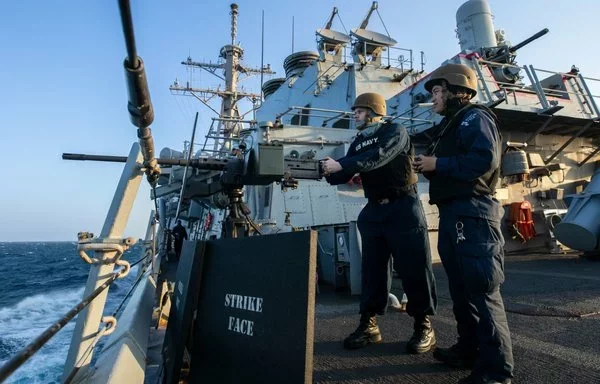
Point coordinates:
pixel 392 179
pixel 443 190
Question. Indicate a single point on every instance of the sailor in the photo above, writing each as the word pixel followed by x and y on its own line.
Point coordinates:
pixel 462 165
pixel 392 224
pixel 180 234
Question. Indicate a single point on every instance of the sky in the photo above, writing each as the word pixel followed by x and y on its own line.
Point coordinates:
pixel 63 89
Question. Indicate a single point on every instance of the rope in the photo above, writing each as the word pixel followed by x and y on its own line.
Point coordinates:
pixel 539 311
pixel 153 254
pixel 183 113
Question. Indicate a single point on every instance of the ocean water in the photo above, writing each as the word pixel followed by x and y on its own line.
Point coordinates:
pixel 40 283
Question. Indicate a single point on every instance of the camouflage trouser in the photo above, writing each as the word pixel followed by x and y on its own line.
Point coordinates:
pixel 472 252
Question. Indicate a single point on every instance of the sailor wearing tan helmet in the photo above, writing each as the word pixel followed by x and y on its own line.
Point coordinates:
pixel 462 165
pixel 392 224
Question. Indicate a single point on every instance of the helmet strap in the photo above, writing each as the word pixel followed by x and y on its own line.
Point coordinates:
pixel 455 100
pixel 455 104
pixel 370 119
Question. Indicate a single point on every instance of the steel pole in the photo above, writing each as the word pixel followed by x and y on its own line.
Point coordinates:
pixel 88 320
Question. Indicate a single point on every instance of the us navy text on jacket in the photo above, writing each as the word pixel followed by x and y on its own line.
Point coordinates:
pixel 366 142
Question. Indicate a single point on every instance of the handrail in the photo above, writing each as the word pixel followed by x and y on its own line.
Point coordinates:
pixel 88 321
pixel 109 320
pixel 396 62
pixel 294 107
pixel 103 332
pixel 543 92
pixel 22 356
pixel 565 74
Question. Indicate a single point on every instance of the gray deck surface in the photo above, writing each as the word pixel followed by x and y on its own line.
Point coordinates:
pixel 551 301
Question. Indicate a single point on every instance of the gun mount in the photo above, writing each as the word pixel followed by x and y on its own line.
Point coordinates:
pixel 261 164
pixel 506 54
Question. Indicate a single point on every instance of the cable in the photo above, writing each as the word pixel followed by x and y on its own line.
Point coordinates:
pixel 21 357
pixel 384 27
pixel 156 215
pixel 239 208
pixel 137 281
pixel 253 225
pixel 139 261
pixel 343 26
pixel 87 352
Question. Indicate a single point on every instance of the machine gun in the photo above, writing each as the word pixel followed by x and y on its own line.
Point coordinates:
pixel 504 54
pixel 262 164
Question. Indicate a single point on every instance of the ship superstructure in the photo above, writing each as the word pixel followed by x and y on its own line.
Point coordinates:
pixel 549 123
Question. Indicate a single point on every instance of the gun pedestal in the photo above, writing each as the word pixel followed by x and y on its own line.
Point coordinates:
pixel 237 223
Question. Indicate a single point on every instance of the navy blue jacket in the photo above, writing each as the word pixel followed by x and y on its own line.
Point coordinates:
pixel 474 145
pixel 383 159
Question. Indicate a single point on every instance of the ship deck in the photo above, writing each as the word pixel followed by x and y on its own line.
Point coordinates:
pixel 553 308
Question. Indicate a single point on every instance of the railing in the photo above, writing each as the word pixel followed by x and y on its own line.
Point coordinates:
pixel 347 115
pixel 108 249
pixel 578 89
pixel 110 321
pixel 397 57
pixel 219 141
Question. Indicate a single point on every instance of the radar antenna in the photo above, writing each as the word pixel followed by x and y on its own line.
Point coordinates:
pixel 330 21
pixel 369 43
pixel 365 21
pixel 331 43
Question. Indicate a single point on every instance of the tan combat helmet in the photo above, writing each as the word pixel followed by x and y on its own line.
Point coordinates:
pixel 373 101
pixel 458 75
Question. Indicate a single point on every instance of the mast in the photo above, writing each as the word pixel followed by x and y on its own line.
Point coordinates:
pixel 232 54
pixel 228 118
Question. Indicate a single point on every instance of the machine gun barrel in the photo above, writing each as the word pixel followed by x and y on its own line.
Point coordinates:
pixel 200 163
pixel 293 168
pixel 83 157
pixel 529 40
